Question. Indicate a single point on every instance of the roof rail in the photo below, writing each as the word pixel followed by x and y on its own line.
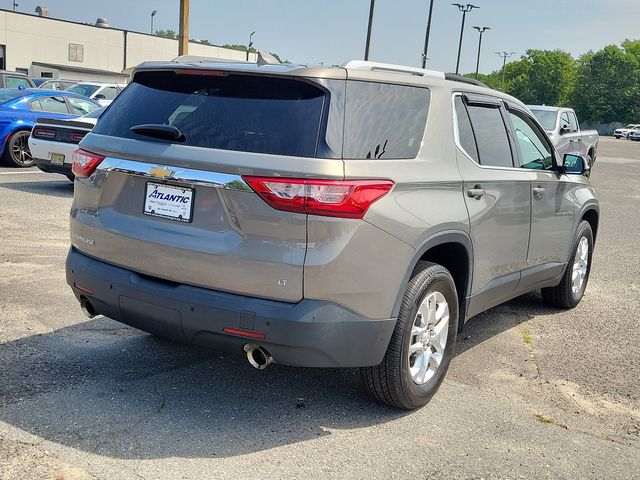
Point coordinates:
pixel 460 78
pixel 390 67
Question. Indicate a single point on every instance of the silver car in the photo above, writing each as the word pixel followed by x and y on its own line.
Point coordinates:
pixel 323 217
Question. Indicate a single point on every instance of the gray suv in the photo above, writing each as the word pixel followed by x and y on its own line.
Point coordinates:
pixel 323 217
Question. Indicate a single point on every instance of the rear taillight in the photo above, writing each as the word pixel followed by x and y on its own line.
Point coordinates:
pixel 75 137
pixel 44 133
pixel 329 198
pixel 85 163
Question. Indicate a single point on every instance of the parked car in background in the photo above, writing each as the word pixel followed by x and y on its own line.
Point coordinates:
pixel 19 109
pixel 563 129
pixel 38 81
pixel 634 135
pixel 624 132
pixel 314 217
pixel 53 141
pixel 15 80
pixel 57 84
pixel 104 93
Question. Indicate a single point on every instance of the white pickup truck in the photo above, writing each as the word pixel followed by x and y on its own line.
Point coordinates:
pixel 564 131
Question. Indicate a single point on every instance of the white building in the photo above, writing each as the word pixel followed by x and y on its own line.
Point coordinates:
pixel 53 48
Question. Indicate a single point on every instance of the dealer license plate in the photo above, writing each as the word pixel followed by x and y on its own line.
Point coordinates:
pixel 168 201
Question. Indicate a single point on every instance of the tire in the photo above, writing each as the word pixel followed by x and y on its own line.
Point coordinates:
pixel 567 294
pixel 16 150
pixel 392 382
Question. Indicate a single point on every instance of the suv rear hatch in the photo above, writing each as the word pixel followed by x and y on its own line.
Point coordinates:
pixel 169 200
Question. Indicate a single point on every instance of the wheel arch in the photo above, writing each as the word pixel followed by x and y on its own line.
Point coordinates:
pixel 12 128
pixel 453 250
pixel 592 215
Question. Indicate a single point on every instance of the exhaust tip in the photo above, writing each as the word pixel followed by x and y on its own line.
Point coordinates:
pixel 258 356
pixel 87 308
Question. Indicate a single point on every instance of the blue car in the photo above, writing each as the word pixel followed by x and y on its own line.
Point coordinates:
pixel 19 110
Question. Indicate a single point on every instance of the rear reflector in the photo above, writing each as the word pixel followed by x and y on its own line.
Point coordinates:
pixel 329 198
pixel 44 133
pixel 85 163
pixel 83 289
pixel 243 333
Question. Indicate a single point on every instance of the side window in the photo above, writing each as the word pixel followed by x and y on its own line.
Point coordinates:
pixel 535 152
pixel 80 107
pixel 384 121
pixel 564 120
pixel 15 82
pixel 491 136
pixel 54 105
pixel 465 132
pixel 573 122
pixel 35 105
pixel 109 93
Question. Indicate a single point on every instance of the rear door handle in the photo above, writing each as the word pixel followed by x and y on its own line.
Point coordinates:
pixel 538 191
pixel 476 192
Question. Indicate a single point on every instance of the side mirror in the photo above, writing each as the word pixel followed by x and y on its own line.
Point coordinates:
pixel 99 96
pixel 564 129
pixel 574 164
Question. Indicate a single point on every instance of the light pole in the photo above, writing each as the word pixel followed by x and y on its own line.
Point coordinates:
pixel 366 48
pixel 480 30
pixel 15 5
pixel 464 9
pixel 250 44
pixel 504 56
pixel 426 37
pixel 153 14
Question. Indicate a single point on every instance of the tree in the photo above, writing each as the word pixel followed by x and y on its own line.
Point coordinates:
pixel 167 34
pixel 607 86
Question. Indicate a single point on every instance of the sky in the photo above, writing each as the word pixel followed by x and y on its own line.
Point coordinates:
pixel 334 31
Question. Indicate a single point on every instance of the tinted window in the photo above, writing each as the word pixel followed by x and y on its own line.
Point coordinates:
pixel 54 105
pixel 384 121
pixel 547 118
pixel 80 106
pixel 465 132
pixel 491 136
pixel 35 105
pixel 534 150
pixel 229 112
pixel 109 93
pixel 86 90
pixel 15 82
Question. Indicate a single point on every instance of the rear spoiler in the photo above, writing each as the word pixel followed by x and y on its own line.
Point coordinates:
pixel 65 123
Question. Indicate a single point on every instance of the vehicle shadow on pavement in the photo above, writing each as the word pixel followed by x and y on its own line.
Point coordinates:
pixel 508 315
pixel 105 388
pixel 102 387
pixel 55 188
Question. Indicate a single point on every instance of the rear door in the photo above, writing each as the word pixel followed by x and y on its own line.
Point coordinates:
pixel 178 208
pixel 497 197
pixel 552 208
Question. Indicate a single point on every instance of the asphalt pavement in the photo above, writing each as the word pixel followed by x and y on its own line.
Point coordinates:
pixel 533 392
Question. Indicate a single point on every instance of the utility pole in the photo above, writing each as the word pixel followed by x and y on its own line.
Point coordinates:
pixel 183 32
pixel 250 45
pixel 15 5
pixel 464 9
pixel 366 48
pixel 480 30
pixel 153 14
pixel 504 56
pixel 426 37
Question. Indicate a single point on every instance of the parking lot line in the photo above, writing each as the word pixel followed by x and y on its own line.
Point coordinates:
pixel 22 173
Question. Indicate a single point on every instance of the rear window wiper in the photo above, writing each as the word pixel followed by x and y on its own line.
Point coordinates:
pixel 158 130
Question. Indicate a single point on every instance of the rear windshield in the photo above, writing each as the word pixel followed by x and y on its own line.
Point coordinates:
pixel 222 111
pixel 547 118
pixel 86 90
pixel 7 94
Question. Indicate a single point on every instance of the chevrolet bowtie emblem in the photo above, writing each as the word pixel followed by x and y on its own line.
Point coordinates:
pixel 161 172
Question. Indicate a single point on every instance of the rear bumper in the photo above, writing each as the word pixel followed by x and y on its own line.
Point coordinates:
pixel 309 333
pixel 47 166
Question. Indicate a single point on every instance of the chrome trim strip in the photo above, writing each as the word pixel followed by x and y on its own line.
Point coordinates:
pixel 180 174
